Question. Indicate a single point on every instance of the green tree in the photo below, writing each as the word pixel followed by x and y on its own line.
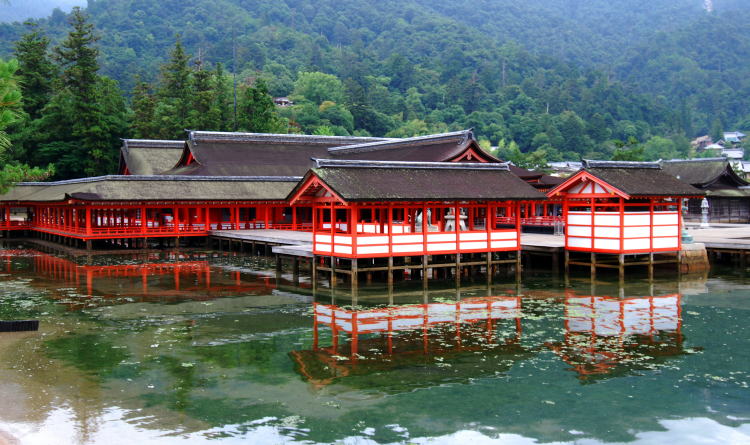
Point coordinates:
pixel 174 96
pixel 35 68
pixel 143 105
pixel 222 99
pixel 81 125
pixel 203 114
pixel 10 112
pixel 628 151
pixel 257 112
pixel 318 87
pixel 573 130
pixel 10 100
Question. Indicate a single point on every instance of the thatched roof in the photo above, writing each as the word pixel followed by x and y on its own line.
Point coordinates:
pixel 155 188
pixel 420 181
pixel 705 173
pixel 149 157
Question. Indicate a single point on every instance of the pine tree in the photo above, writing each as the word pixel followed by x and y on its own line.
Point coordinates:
pixel 84 120
pixel 36 70
pixel 203 113
pixel 257 112
pixel 10 112
pixel 174 95
pixel 222 99
pixel 143 106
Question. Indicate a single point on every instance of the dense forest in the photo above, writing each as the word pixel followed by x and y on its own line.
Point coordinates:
pixel 541 80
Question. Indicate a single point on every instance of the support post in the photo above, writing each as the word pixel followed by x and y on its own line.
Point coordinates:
pixel 355 276
pixel 593 265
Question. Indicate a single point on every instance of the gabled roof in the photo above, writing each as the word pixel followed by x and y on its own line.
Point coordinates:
pixel 220 153
pixel 149 157
pixel 352 181
pixel 629 180
pixel 455 146
pixel 154 188
pixel 210 153
pixel 704 173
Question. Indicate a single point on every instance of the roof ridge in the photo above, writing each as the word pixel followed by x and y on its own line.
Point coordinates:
pixel 675 161
pixel 591 163
pixel 465 135
pixel 348 163
pixel 166 178
pixel 240 137
pixel 152 143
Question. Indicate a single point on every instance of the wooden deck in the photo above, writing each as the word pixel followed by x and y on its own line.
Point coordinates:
pixel 287 242
pixel 730 237
pixel 734 237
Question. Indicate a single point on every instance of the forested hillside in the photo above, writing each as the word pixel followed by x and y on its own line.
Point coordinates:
pixel 543 79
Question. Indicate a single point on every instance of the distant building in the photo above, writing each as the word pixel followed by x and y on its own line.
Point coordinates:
pixel 727 192
pixel 565 167
pixel 700 143
pixel 282 102
pixel 733 154
pixel 734 137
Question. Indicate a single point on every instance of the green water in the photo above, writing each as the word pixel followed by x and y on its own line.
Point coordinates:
pixel 201 348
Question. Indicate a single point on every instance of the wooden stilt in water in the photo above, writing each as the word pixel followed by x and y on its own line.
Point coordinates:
pixel 518 266
pixel 651 265
pixel 314 273
pixel 295 271
pixel 593 265
pixel 355 276
pixel 390 271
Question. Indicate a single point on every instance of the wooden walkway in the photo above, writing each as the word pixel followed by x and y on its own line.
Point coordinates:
pixel 734 237
pixel 287 242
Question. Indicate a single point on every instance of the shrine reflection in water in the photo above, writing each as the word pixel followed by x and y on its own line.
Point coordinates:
pixel 212 347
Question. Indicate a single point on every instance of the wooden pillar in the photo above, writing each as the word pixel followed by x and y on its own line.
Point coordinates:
pixel 390 271
pixel 88 224
pixel 295 270
pixel 593 265
pixel 314 273
pixel 176 219
pixel 355 276
pixel 333 271
pixel 651 265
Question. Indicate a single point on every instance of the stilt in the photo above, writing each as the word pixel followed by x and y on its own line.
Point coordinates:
pixel 593 265
pixel 390 272
pixel 295 271
pixel 333 272
pixel 518 266
pixel 556 263
pixel 458 270
pixel 621 267
pixel 425 261
pixel 313 273
pixel 651 265
pixel 89 245
pixel 355 276
pixel 489 268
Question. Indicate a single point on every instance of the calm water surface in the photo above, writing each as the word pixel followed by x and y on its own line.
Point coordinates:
pixel 203 348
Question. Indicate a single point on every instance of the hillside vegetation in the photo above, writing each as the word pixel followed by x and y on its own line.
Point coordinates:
pixel 542 79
